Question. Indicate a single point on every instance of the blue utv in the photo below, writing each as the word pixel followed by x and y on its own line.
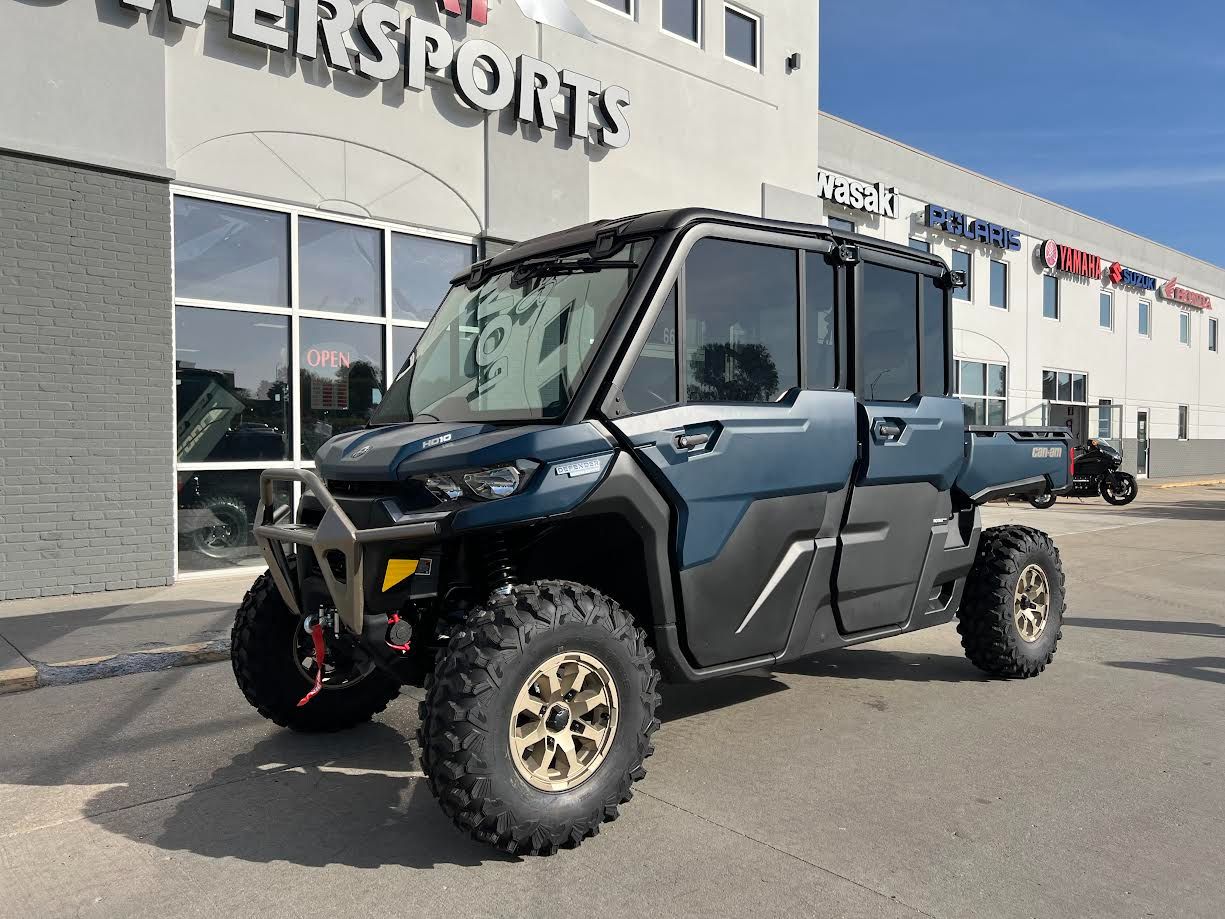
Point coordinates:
pixel 685 443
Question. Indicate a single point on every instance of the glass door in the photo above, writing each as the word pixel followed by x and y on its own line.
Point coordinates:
pixel 1142 443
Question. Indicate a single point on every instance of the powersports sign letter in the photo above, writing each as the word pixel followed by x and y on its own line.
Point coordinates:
pixel 369 42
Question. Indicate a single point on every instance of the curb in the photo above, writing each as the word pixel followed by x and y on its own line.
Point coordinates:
pixel 1193 484
pixel 96 668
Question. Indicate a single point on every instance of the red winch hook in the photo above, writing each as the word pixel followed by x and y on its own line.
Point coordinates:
pixel 320 653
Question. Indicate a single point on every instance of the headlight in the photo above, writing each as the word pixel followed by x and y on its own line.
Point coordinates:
pixel 494 483
pixel 484 484
pixel 443 487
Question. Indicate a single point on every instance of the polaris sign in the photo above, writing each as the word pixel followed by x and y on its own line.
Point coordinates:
pixel 378 42
pixel 875 199
pixel 959 224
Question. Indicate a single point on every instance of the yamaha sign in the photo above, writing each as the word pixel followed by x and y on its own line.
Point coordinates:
pixel 378 42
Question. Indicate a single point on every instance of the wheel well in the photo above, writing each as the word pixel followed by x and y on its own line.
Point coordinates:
pixel 601 551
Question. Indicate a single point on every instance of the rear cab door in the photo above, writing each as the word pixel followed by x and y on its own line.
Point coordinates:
pixel 911 433
pixel 734 403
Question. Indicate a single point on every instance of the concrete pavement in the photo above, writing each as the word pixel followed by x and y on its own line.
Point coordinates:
pixel 888 780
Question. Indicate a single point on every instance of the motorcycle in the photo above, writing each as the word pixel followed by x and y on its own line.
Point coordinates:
pixel 1096 472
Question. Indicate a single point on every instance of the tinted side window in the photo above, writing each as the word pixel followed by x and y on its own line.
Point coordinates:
pixel 652 382
pixel 935 367
pixel 887 333
pixel 741 322
pixel 821 322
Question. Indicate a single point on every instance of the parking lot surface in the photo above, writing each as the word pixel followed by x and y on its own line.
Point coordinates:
pixel 888 780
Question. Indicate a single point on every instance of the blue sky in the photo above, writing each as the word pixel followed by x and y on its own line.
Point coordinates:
pixel 1116 109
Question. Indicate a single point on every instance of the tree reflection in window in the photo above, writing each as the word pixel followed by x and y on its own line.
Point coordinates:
pixel 732 373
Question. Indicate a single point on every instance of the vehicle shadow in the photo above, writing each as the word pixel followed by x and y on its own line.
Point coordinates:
pixel 367 806
pixel 1210 669
pixel 686 700
pixel 887 666
pixel 1197 629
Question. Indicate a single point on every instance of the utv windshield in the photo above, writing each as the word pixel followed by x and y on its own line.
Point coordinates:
pixel 516 347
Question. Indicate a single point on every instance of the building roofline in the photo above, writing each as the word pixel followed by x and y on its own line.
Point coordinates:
pixel 1012 188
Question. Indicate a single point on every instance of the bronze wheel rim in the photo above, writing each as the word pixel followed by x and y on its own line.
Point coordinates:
pixel 563 722
pixel 1031 603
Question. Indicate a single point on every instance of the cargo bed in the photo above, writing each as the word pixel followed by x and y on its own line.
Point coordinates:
pixel 1024 461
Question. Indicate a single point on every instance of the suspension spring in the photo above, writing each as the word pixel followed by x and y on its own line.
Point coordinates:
pixel 500 571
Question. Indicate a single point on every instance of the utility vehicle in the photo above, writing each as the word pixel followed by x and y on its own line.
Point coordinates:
pixel 689 443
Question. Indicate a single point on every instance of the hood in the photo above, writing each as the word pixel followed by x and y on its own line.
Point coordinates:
pixel 376 453
pixel 397 451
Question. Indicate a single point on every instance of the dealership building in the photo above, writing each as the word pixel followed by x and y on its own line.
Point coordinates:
pixel 1066 320
pixel 224 224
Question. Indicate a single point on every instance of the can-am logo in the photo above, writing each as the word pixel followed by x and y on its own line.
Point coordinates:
pixel 875 199
pixel 379 42
pixel 1171 291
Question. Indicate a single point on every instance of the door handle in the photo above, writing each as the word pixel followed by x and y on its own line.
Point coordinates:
pixel 887 430
pixel 692 441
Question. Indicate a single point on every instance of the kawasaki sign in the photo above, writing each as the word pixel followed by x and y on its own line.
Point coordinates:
pixel 378 42
pixel 875 199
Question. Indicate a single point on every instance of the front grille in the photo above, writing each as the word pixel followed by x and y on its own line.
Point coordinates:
pixel 409 495
pixel 360 489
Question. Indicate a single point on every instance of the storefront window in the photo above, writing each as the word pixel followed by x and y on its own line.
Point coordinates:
pixel 232 391
pixel 342 378
pixel 421 273
pixel 340 267
pixel 260 382
pixel 216 513
pixel 230 254
pixel 983 387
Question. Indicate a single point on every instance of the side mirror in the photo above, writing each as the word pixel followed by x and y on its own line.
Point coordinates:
pixel 958 280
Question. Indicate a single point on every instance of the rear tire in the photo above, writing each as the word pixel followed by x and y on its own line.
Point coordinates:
pixel 1043 501
pixel 1011 617
pixel 262 654
pixel 534 801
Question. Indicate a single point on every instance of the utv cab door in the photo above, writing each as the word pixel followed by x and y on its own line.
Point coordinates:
pixel 912 439
pixel 734 412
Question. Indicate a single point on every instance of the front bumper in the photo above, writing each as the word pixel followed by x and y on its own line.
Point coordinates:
pixel 334 534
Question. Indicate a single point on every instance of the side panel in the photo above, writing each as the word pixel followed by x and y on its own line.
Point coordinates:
pixel 750 501
pixel 884 544
pixel 1012 460
pixel 913 453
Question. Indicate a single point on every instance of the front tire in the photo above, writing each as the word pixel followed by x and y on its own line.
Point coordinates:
pixel 1011 617
pixel 266 648
pixel 1119 488
pixel 538 718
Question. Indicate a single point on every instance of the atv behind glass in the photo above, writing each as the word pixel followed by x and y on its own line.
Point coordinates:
pixel 687 442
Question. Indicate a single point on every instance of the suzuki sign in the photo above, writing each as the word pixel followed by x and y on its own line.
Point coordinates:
pixel 388 42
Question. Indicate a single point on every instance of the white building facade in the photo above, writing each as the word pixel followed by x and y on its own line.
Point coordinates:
pixel 223 223
pixel 1066 320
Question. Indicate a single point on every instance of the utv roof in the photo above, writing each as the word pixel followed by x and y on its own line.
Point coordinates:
pixel 656 222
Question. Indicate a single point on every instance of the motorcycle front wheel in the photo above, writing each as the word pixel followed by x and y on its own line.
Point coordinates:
pixel 1119 488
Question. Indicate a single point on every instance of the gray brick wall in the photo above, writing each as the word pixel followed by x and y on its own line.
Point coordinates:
pixel 86 385
pixel 1187 457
